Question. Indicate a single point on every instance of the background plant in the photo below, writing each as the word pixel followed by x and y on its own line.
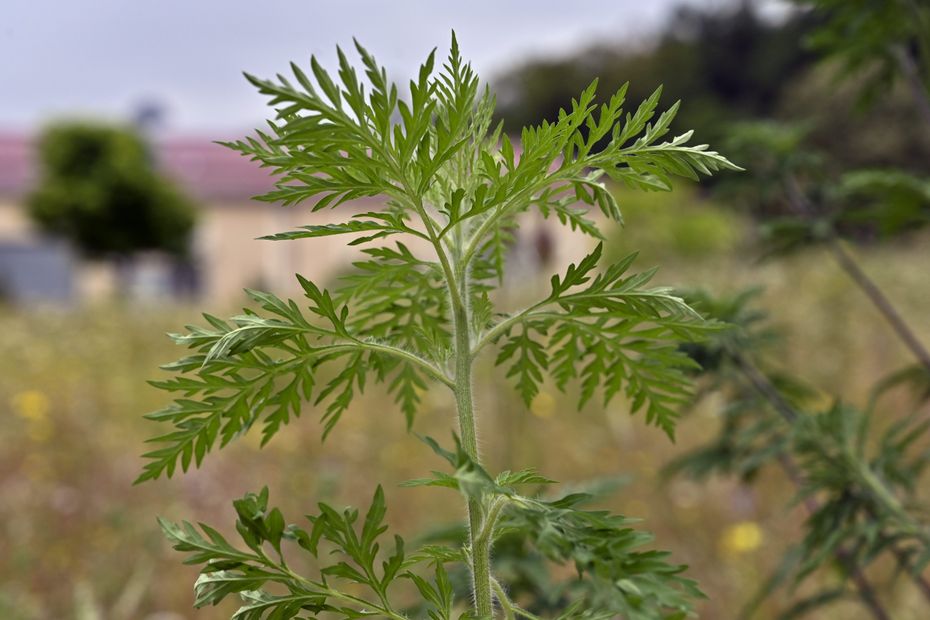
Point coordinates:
pixel 856 468
pixel 454 189
pixel 734 62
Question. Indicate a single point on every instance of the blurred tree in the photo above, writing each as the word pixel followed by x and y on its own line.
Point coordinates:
pixel 98 188
pixel 730 64
pixel 737 64
pixel 886 39
pixel 890 130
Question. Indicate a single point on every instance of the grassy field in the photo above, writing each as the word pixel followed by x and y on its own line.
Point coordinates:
pixel 78 541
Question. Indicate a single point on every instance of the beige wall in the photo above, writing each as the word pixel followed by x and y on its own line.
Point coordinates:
pixel 230 257
pixel 14 221
pixel 228 253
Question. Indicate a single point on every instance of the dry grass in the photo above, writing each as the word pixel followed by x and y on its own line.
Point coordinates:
pixel 77 540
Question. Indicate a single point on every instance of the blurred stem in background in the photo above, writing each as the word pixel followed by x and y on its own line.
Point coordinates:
pixel 827 235
pixel 850 475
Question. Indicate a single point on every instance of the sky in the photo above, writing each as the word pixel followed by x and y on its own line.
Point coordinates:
pixel 105 58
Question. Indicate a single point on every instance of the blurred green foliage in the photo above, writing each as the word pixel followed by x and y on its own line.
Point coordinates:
pixel 727 65
pixel 877 39
pixel 857 461
pixel 100 190
pixel 731 63
pixel 680 227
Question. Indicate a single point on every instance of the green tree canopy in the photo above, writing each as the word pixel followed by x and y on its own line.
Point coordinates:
pixel 727 63
pixel 731 62
pixel 99 189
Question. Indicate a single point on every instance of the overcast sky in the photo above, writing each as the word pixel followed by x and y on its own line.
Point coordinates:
pixel 105 57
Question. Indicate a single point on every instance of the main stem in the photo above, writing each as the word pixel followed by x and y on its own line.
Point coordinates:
pixel 456 272
pixel 480 548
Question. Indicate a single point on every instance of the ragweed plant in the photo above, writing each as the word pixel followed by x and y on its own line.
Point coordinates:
pixel 417 313
pixel 857 469
pixel 856 478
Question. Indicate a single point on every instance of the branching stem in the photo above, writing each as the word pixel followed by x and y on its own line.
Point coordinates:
pixel 503 599
pixel 504 325
pixel 880 301
pixel 522 197
pixel 429 368
pixel 282 569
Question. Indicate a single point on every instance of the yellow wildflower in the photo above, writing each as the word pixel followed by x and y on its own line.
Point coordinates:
pixel 31 405
pixel 741 537
pixel 543 405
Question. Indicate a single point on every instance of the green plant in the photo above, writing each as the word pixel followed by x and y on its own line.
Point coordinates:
pixel 99 189
pixel 856 468
pixel 419 313
pixel 889 40
pixel 856 477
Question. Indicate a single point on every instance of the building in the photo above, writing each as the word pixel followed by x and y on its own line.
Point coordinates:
pixel 227 255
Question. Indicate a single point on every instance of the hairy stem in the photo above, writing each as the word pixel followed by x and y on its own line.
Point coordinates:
pixel 456 273
pixel 480 549
pixel 503 599
pixel 454 293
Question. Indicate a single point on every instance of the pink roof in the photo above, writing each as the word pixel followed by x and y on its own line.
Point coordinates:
pixel 17 167
pixel 207 171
